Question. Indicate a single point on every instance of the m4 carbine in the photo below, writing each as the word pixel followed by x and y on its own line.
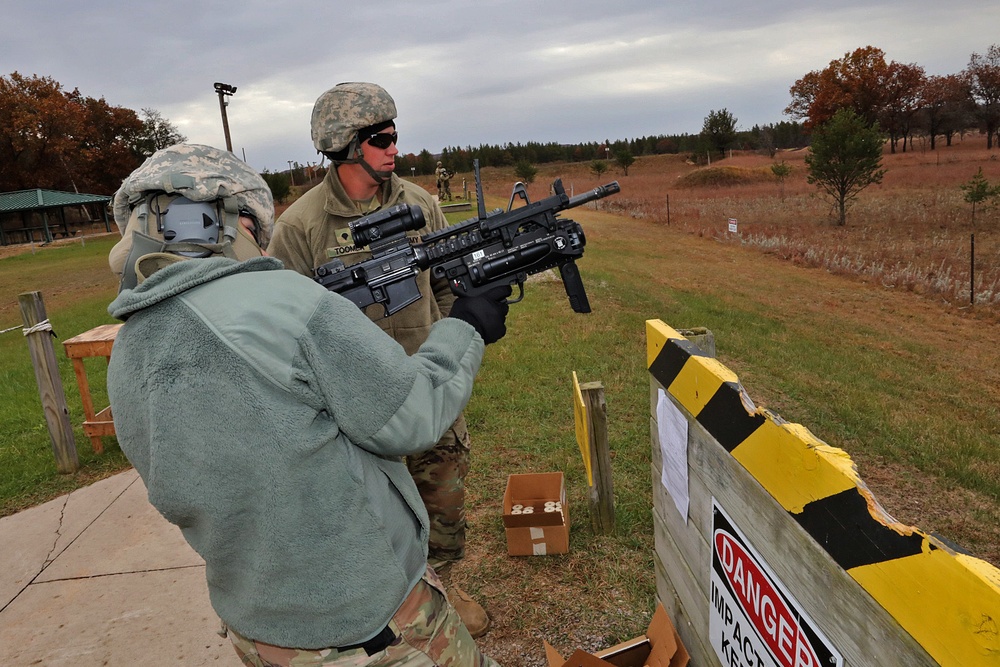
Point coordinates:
pixel 496 248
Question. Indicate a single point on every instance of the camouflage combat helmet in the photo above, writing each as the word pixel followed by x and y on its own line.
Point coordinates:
pixel 207 190
pixel 346 108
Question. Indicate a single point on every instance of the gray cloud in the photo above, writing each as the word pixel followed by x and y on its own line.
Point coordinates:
pixel 465 74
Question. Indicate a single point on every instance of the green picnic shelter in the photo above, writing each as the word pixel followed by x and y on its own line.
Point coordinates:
pixel 25 214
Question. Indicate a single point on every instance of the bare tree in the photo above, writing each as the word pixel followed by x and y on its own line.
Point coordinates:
pixel 984 81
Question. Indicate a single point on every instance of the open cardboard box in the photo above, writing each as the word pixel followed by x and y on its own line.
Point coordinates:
pixel 659 647
pixel 539 533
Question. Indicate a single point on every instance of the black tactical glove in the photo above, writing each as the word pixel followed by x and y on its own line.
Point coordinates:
pixel 487 313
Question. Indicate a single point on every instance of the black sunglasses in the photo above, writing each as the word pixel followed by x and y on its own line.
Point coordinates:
pixel 383 139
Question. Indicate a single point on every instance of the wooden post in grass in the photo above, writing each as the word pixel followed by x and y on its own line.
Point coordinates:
pixel 972 269
pixel 50 389
pixel 595 427
pixel 702 337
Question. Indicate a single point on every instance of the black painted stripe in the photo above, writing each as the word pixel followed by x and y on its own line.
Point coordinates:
pixel 671 359
pixel 844 527
pixel 726 418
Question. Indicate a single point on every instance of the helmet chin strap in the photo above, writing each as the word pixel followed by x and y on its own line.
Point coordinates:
pixel 379 177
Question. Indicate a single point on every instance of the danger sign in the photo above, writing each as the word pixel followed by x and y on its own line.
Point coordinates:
pixel 753 621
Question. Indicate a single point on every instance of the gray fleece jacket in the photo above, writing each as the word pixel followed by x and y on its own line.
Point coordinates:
pixel 266 417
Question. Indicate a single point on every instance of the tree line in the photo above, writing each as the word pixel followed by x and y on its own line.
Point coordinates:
pixel 60 139
pixel 784 134
pixel 858 101
pixel 901 98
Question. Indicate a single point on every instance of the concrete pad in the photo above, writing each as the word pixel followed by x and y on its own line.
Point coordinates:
pixel 149 618
pixel 33 538
pixel 129 536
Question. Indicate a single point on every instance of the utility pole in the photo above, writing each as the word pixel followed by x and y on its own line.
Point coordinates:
pixel 291 173
pixel 224 90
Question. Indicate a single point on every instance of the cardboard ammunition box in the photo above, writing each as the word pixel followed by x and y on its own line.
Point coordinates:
pixel 659 647
pixel 537 533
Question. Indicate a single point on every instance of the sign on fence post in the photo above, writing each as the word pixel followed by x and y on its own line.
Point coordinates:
pixel 50 389
pixel 591 414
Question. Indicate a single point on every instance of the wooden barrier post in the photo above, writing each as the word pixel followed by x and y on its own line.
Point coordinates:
pixel 50 389
pixel 702 337
pixel 602 493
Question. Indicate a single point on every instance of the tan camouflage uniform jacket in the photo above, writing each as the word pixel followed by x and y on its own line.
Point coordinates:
pixel 315 226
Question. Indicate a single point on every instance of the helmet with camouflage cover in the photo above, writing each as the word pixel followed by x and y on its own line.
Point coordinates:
pixel 186 201
pixel 343 110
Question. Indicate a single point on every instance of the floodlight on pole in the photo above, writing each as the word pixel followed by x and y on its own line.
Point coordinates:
pixel 224 90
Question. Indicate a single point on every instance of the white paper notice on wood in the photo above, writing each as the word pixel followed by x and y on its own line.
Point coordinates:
pixel 673 434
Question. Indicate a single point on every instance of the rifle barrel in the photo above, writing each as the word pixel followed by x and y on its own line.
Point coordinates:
pixel 599 192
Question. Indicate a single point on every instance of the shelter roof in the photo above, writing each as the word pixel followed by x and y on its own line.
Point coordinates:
pixel 27 200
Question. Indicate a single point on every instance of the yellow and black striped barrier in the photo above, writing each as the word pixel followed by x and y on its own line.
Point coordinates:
pixel 948 601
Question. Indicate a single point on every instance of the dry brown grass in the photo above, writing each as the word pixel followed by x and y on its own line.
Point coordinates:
pixel 912 233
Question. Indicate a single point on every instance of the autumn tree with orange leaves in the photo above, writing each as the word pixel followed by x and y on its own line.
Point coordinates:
pixel 900 101
pixel 877 91
pixel 902 98
pixel 946 106
pixel 856 81
pixel 57 139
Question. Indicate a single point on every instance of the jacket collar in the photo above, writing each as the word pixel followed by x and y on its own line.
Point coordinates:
pixel 178 278
pixel 339 204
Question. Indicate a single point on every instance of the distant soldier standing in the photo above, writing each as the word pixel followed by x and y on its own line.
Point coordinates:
pixel 443 182
pixel 353 124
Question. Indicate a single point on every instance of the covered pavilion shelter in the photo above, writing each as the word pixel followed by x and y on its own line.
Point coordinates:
pixel 26 212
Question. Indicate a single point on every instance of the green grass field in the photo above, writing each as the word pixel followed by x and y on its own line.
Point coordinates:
pixel 76 287
pixel 907 389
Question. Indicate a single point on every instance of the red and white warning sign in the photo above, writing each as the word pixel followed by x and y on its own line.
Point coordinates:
pixel 753 621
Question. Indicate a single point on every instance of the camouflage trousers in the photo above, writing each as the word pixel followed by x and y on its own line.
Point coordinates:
pixel 428 632
pixel 439 474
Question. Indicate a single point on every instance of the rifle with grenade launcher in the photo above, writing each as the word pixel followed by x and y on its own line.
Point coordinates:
pixel 475 255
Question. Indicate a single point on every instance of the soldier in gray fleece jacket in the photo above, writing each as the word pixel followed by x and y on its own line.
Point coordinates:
pixel 267 418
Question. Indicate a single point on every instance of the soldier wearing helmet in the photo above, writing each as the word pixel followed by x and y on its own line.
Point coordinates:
pixel 443 182
pixel 272 438
pixel 353 124
pixel 161 208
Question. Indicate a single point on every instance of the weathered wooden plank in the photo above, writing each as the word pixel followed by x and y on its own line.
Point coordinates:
pixel 688 628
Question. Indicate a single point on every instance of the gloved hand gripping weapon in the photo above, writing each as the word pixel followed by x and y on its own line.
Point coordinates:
pixel 496 248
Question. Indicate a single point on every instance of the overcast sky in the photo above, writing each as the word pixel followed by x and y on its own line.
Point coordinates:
pixel 471 73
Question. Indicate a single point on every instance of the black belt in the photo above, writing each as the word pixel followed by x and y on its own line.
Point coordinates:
pixel 377 643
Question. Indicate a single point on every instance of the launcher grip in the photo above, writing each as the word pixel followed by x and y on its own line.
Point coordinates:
pixel 574 287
